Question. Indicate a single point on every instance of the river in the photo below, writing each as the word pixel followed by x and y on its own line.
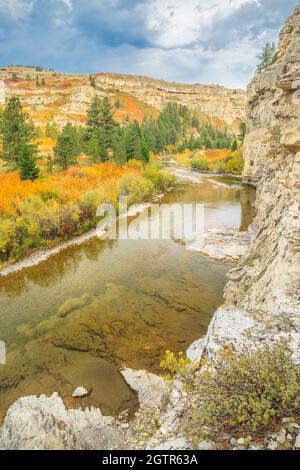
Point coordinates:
pixel 85 313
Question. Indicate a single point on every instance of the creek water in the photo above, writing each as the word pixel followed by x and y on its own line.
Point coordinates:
pixel 81 316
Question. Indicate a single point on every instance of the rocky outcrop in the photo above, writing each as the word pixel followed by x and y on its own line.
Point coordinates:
pixel 262 297
pixel 44 423
pixel 64 98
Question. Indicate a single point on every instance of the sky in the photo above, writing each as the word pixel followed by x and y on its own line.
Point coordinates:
pixel 192 41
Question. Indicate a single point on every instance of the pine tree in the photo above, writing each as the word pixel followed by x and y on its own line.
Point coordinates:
pixel 267 57
pixel 234 145
pixel 144 150
pixel 93 148
pixel 37 81
pixel 93 116
pixel 28 169
pixel 92 81
pixel 242 132
pixel 107 124
pixel 66 148
pixel 17 131
pixel 120 150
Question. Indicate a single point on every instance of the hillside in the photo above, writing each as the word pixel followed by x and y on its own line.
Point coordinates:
pixel 49 96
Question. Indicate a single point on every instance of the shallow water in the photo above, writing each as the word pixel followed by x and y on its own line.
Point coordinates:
pixel 82 315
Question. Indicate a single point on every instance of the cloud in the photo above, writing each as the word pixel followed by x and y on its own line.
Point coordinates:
pixel 209 41
pixel 15 10
pixel 177 23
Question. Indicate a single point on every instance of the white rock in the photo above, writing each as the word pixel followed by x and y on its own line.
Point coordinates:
pixel 80 392
pixel 272 445
pixel 42 423
pixel 174 444
pixel 195 351
pixel 297 442
pixel 150 387
pixel 206 445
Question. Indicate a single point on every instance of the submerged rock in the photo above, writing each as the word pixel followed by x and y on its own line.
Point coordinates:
pixel 73 303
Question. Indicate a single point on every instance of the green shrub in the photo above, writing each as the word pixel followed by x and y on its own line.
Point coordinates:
pixel 201 164
pixel 247 391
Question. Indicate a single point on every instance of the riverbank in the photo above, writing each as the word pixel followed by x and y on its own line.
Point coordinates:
pixel 39 214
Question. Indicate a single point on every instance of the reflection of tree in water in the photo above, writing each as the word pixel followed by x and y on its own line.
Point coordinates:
pixel 94 248
pixel 247 198
pixel 54 268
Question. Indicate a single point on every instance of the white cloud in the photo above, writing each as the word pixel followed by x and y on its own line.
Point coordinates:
pixel 176 23
pixel 16 9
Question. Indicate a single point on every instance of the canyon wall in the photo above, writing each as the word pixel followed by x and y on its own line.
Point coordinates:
pixel 64 97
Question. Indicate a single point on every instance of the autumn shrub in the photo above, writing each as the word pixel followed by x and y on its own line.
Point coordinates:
pixel 235 164
pixel 136 164
pixel 136 188
pixel 239 392
pixel 54 207
pixel 200 164
pixel 159 179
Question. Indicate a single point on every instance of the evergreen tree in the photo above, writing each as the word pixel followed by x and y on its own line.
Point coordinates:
pixel 107 124
pixel 66 148
pixel 120 150
pixel 267 57
pixel 242 132
pixel 37 81
pixel 92 81
pixel 28 169
pixel 93 116
pixel 144 150
pixel 234 145
pixel 17 131
pixel 94 150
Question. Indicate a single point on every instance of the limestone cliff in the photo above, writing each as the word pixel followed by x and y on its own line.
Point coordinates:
pixel 268 278
pixel 262 297
pixel 51 96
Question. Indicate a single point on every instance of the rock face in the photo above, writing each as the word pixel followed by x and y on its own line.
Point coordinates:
pixel 267 279
pixel 44 423
pixel 64 97
pixel 262 297
pixel 150 388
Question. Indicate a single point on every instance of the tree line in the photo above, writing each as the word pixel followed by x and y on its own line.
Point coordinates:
pixel 102 138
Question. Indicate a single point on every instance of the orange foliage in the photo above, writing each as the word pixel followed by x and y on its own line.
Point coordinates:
pixel 133 108
pixel 68 186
